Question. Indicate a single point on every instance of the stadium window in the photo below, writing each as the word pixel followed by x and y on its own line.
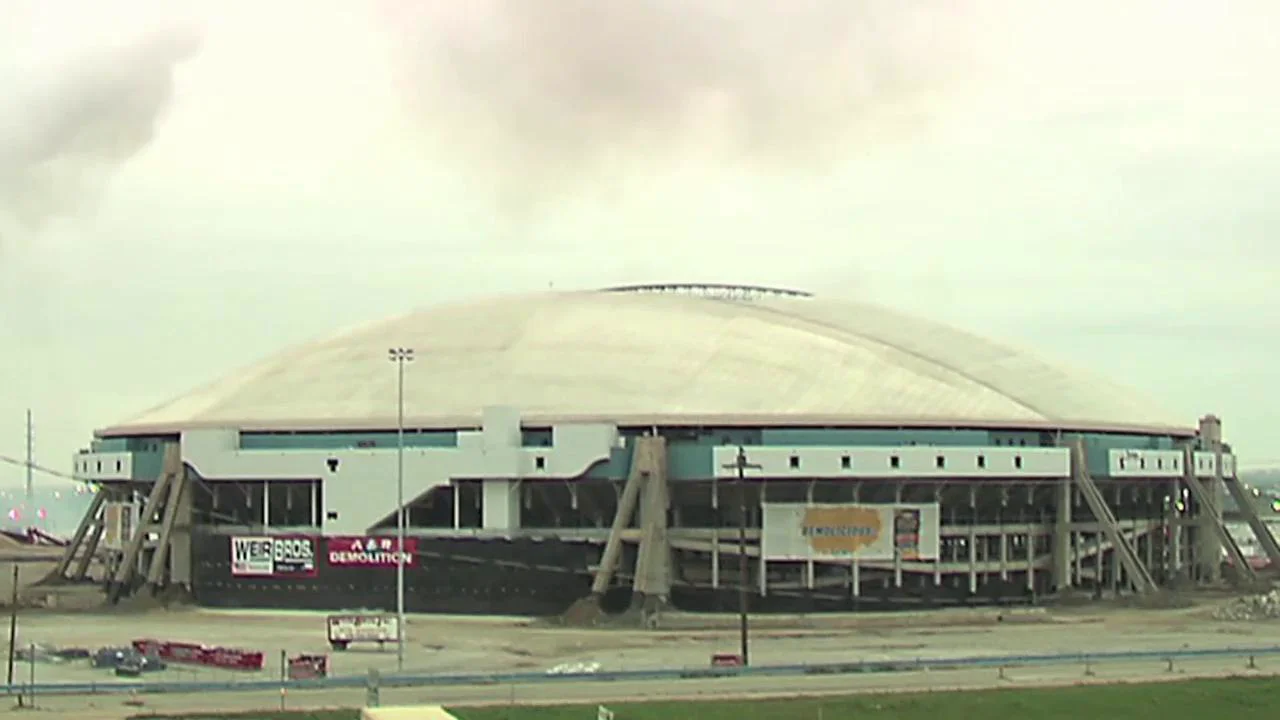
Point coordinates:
pixel 1159 463
pixel 540 463
pixel 1017 461
pixel 940 461
pixel 982 461
pixel 893 461
pixel 1121 463
pixel 846 462
pixel 795 462
pixel 99 466
pixel 119 467
pixel 1142 463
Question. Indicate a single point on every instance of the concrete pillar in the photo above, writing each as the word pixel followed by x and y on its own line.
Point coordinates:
pixel 764 562
pixel 1062 537
pixel 500 509
pixel 715 534
pixel 1031 560
pixel 1004 555
pixel 808 566
pixel 180 539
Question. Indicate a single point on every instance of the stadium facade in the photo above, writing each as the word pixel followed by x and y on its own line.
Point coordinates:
pixel 622 446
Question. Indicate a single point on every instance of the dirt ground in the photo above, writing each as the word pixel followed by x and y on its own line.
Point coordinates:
pixel 450 644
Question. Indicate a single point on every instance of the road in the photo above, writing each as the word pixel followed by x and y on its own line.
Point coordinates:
pixel 591 692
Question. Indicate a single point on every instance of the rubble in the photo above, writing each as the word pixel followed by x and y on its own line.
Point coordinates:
pixel 1251 608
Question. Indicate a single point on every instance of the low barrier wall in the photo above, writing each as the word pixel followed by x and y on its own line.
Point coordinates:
pixel 669 674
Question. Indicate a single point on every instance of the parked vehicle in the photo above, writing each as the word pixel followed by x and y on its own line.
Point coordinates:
pixel 132 661
pixel 346 629
pixel 39 653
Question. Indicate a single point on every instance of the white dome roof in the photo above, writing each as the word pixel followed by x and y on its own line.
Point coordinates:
pixel 655 358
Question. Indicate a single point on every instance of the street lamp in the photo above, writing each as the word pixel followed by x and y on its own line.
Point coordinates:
pixel 400 356
pixel 740 464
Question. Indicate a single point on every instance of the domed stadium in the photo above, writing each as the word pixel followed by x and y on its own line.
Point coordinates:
pixel 648 447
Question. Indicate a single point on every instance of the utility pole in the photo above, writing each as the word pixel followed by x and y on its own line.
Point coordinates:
pixel 741 465
pixel 31 462
pixel 400 356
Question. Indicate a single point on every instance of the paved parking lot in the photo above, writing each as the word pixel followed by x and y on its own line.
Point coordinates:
pixel 469 644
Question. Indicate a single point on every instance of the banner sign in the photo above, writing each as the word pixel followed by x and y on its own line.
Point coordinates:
pixel 267 556
pixel 369 551
pixel 796 531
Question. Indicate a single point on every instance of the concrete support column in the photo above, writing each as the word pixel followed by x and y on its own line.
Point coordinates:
pixel 1031 560
pixel 500 509
pixel 1004 555
pixel 1209 546
pixel 808 566
pixel 764 562
pixel 937 564
pixel 1062 537
pixel 715 537
pixel 180 541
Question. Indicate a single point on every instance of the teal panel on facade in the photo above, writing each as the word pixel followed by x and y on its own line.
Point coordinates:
pixel 872 437
pixel 1098 447
pixel 615 468
pixel 536 437
pixel 114 444
pixel 730 436
pixel 147 465
pixel 1006 438
pixel 689 461
pixel 346 441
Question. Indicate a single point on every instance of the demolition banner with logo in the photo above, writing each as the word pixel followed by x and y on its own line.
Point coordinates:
pixel 369 551
pixel 880 532
pixel 273 556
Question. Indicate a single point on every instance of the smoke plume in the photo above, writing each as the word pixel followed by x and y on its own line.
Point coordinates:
pixel 544 98
pixel 65 128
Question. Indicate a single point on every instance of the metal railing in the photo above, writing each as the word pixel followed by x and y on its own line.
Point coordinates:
pixel 1002 662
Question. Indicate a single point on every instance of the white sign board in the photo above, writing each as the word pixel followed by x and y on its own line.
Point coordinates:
pixel 273 556
pixel 798 531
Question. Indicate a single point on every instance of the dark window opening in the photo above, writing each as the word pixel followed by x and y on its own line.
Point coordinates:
pixel 894 461
pixel 846 462
pixel 540 463
pixel 982 461
pixel 1017 461
pixel 940 461
pixel 795 461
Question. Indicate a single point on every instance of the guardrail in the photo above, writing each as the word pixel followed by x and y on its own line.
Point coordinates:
pixel 526 678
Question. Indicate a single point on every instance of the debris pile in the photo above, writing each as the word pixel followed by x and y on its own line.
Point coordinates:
pixel 1251 608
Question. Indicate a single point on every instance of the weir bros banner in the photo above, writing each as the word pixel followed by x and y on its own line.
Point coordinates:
pixel 278 557
pixel 298 555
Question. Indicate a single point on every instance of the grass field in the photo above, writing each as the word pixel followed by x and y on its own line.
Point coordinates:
pixel 1237 699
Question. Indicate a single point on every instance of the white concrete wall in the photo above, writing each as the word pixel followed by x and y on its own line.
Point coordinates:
pixel 362 488
pixel 1166 464
pixel 103 466
pixel 912 462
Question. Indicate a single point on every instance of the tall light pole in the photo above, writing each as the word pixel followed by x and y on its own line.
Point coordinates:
pixel 740 464
pixel 400 356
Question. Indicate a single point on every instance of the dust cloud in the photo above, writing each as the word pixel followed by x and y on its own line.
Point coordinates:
pixel 65 127
pixel 546 98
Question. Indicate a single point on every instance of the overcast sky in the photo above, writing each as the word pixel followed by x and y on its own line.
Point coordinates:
pixel 181 195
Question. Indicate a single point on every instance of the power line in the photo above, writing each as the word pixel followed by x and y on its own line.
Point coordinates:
pixel 36 467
